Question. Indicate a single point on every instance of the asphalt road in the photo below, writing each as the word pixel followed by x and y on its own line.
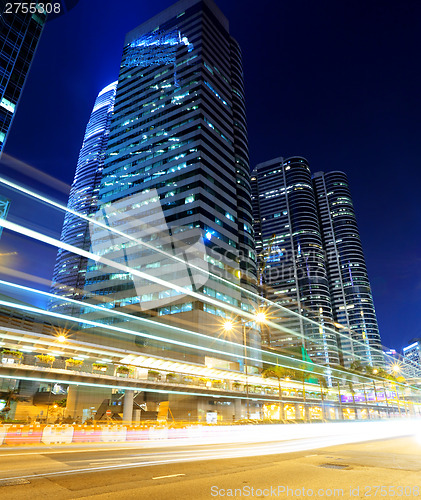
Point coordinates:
pixel 131 471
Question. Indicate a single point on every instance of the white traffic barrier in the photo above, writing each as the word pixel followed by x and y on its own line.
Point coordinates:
pixel 113 433
pixel 53 434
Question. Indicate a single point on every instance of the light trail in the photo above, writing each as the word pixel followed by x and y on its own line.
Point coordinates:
pixel 25 276
pixel 142 388
pixel 335 373
pixel 227 282
pixel 239 443
pixel 174 328
pixel 89 255
pixel 114 328
pixel 35 173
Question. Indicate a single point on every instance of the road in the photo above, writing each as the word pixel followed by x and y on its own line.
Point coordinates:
pixel 132 471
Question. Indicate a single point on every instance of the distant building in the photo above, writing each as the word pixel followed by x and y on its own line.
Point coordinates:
pixel 412 354
pixel 70 268
pixel 19 36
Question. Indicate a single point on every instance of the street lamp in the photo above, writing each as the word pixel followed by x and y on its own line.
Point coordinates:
pixel 259 317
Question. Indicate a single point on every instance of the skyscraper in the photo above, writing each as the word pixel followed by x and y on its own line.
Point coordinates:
pixel 176 168
pixel 289 240
pixel 309 246
pixel 350 290
pixel 19 36
pixel 70 268
pixel 412 355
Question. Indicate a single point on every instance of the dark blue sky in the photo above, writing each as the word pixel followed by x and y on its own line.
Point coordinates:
pixel 337 82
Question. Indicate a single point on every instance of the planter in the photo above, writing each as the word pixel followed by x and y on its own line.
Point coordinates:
pixel 45 360
pixel 11 356
pixel 154 375
pixel 73 363
pixel 123 371
pixel 99 368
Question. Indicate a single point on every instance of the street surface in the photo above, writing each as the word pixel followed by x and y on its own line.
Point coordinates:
pixel 126 471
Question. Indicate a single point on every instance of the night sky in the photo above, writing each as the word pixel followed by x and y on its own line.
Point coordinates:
pixel 335 81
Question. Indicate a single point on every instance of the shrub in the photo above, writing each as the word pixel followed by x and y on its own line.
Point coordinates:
pixel 13 354
pixel 46 358
pixel 123 369
pixel 74 362
pixel 99 366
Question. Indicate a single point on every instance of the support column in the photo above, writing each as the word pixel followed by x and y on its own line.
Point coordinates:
pixel 237 409
pixel 128 406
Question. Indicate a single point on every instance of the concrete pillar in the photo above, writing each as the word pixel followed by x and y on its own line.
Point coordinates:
pixel 237 409
pixel 83 401
pixel 297 411
pixel 128 406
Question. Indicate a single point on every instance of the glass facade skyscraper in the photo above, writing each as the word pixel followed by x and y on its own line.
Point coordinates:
pixel 289 240
pixel 19 36
pixel 350 289
pixel 176 171
pixel 70 268
pixel 309 246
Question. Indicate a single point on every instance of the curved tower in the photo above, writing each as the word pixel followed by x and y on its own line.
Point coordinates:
pixel 242 167
pixel 294 273
pixel 350 289
pixel 70 269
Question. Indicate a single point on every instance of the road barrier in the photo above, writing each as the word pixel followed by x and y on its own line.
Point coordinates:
pixel 21 433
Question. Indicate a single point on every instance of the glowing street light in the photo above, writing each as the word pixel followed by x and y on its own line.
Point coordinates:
pixel 228 325
pixel 260 317
pixel 396 368
pixel 61 338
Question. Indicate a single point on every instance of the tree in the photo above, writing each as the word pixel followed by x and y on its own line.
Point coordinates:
pixel 357 366
pixel 302 376
pixel 323 385
pixel 278 372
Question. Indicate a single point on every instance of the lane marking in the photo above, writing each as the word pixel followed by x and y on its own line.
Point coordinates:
pixel 171 475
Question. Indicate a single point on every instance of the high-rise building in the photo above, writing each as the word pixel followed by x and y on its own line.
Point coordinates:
pixel 350 289
pixel 293 271
pixel 19 36
pixel 412 355
pixel 70 268
pixel 177 168
pixel 312 260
